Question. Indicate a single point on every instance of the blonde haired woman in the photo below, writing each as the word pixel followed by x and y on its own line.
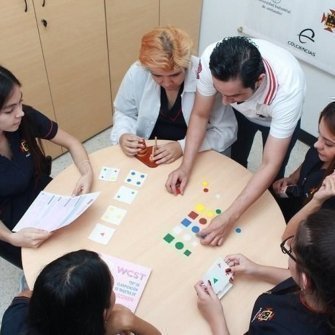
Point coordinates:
pixel 156 97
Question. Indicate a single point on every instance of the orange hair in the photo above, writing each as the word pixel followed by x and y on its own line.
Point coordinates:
pixel 166 48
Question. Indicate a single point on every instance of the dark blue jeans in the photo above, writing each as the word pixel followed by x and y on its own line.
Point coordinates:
pixel 245 136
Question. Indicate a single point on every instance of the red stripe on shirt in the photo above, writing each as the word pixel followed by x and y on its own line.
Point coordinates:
pixel 272 83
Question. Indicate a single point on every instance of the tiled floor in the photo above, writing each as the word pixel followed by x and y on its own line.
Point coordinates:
pixel 9 275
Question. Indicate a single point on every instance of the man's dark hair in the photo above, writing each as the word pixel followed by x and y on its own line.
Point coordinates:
pixel 237 58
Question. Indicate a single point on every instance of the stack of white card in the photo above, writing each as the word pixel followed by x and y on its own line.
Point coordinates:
pixel 219 278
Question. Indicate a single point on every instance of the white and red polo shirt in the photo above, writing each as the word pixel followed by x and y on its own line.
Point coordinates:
pixel 278 102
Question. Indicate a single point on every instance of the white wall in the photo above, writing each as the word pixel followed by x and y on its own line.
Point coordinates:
pixel 222 18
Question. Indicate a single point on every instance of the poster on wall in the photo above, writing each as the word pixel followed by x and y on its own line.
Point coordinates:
pixel 306 29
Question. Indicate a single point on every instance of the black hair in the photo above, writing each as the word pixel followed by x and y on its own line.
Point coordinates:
pixel 315 253
pixel 70 296
pixel 237 58
pixel 328 114
pixel 7 84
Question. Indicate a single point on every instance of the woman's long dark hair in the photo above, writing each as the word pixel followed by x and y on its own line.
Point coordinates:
pixel 315 253
pixel 328 115
pixel 7 84
pixel 70 296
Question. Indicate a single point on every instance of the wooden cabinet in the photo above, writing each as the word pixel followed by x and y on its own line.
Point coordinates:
pixel 71 55
pixel 128 20
pixel 21 53
pixel 74 43
pixel 58 49
pixel 185 14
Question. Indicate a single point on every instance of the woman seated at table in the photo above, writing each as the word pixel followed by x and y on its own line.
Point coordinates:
pixel 294 191
pixel 321 196
pixel 156 97
pixel 25 170
pixel 304 300
pixel 72 295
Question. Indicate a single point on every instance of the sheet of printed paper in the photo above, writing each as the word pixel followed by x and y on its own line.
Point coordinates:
pixel 101 233
pixel 109 173
pixel 218 277
pixel 51 211
pixel 135 178
pixel 130 280
pixel 125 194
pixel 114 215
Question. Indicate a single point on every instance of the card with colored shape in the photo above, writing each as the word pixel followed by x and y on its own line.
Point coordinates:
pixel 228 275
pixel 114 215
pixel 109 173
pixel 218 277
pixel 125 194
pixel 101 233
pixel 135 178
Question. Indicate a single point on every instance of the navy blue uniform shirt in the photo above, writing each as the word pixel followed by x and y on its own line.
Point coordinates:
pixel 280 311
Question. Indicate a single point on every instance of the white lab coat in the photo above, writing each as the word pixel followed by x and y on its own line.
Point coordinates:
pixel 137 105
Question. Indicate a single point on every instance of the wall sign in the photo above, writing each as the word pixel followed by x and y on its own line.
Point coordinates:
pixel 306 28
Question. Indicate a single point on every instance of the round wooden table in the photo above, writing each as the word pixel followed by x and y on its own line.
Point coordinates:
pixel 169 299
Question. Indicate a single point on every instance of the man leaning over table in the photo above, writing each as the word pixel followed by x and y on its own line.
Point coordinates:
pixel 265 85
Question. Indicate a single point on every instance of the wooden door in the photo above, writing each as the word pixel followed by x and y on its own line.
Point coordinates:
pixel 127 21
pixel 21 53
pixel 184 14
pixel 74 43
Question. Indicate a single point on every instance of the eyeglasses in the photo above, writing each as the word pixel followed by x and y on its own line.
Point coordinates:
pixel 287 249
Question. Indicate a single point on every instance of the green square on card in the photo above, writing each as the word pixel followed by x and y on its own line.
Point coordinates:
pixel 168 238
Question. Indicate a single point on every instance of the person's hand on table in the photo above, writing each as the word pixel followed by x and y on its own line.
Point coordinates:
pixel 210 307
pixel 130 144
pixel 216 232
pixel 29 237
pixel 84 184
pixel 239 264
pixel 168 153
pixel 177 181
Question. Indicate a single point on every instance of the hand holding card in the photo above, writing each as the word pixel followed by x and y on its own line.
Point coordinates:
pixel 219 277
